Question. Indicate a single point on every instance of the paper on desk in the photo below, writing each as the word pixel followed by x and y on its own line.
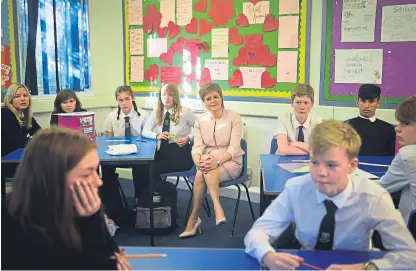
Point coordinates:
pixel 121 149
pixel 295 168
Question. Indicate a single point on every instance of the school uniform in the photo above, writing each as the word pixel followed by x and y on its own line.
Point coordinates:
pixel 13 137
pixel 169 156
pixel 54 117
pixel 30 250
pixel 289 126
pixel 401 175
pixel 349 220
pixel 378 137
pixel 217 137
pixel 109 191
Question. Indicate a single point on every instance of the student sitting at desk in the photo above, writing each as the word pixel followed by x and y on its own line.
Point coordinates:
pixel 401 174
pixel 54 219
pixel 332 209
pixel 66 101
pixel 377 136
pixel 217 154
pixel 172 124
pixel 17 123
pixel 126 120
pixel 294 128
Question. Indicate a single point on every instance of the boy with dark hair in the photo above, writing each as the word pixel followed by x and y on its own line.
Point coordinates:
pixel 378 137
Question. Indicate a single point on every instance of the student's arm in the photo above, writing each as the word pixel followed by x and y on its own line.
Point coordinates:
pixel 395 236
pixel 191 118
pixel 396 176
pixel 149 126
pixel 285 148
pixel 108 126
pixel 199 145
pixel 145 118
pixel 390 147
pixel 300 145
pixel 269 226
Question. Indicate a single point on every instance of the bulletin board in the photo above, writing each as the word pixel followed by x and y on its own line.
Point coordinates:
pixel 256 50
pixel 8 52
pixel 368 41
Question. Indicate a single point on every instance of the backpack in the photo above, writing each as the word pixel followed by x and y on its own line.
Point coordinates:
pixel 164 209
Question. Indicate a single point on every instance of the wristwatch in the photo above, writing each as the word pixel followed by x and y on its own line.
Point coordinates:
pixel 370 266
pixel 218 163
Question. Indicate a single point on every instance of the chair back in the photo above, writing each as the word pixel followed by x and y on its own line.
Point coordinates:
pixel 412 223
pixel 273 146
pixel 244 175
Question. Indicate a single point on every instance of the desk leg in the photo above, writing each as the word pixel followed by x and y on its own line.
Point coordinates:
pixel 151 188
pixel 261 193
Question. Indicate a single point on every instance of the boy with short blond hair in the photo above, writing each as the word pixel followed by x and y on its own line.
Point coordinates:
pixel 333 209
pixel 294 127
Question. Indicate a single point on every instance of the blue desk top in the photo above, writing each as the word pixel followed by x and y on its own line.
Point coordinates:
pixel 234 259
pixel 146 150
pixel 275 177
pixel 193 259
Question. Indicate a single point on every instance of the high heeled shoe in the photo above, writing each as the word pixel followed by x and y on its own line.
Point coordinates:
pixel 197 227
pixel 220 222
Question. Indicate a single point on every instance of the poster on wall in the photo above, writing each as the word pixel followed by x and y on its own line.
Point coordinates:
pixel 358 21
pixel 361 66
pixel 398 23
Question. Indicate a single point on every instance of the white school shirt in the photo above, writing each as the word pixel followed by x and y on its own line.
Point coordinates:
pixel 117 126
pixel 184 127
pixel 363 206
pixel 288 125
pixel 401 175
pixel 372 119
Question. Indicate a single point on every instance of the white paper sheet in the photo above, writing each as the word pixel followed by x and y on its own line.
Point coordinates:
pixel 358 21
pixel 183 12
pixel 398 23
pixel 167 9
pixel 219 42
pixel 218 68
pixel 157 46
pixel 361 66
pixel 136 41
pixel 256 13
pixel 136 68
pixel 252 77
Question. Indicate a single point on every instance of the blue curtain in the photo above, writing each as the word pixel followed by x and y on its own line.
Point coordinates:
pixel 62 53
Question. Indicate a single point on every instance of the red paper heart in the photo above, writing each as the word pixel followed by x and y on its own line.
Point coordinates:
pixel 162 32
pixel 147 26
pixel 204 27
pixel 255 1
pixel 174 29
pixel 178 46
pixel 152 73
pixel 192 27
pixel 270 23
pixel 234 37
pixel 269 61
pixel 201 6
pixel 267 81
pixel 205 77
pixel 239 61
pixel 167 57
pixel 221 11
pixel 242 20
pixel 236 80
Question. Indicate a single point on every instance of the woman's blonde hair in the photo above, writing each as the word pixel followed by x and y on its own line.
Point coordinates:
pixel 334 133
pixel 8 102
pixel 208 88
pixel 177 107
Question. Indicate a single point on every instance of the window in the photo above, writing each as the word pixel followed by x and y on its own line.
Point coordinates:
pixel 61 65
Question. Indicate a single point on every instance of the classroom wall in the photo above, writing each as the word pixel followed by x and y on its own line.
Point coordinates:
pixel 107 70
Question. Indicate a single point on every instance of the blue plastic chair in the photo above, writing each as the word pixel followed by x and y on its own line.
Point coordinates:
pixel 412 223
pixel 237 182
pixel 273 146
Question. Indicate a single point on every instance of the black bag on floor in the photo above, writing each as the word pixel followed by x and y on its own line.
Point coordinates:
pixel 164 209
